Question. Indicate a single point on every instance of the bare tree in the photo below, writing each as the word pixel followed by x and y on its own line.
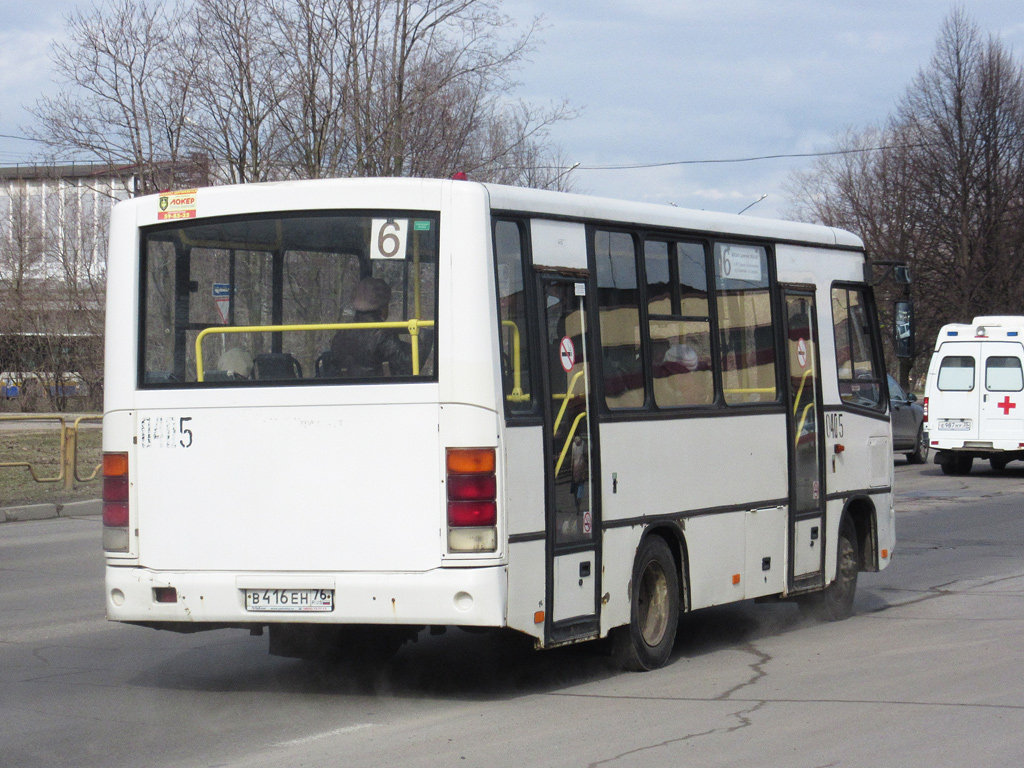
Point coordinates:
pixel 127 91
pixel 266 89
pixel 940 186
pixel 52 288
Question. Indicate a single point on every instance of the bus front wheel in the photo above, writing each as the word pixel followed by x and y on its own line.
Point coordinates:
pixel 646 642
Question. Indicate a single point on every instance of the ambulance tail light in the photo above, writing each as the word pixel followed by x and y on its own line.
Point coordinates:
pixel 924 407
pixel 472 483
pixel 115 502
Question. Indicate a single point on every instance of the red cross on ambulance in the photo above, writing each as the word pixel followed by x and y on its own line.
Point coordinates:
pixel 1006 405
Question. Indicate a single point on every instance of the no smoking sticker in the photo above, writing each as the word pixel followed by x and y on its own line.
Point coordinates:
pixel 567 354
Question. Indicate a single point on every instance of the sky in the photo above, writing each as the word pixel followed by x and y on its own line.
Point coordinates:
pixel 675 82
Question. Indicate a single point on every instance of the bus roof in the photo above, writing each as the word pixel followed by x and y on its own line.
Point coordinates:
pixel 590 207
pixel 313 194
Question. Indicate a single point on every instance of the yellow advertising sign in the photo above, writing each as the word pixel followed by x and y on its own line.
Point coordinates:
pixel 180 204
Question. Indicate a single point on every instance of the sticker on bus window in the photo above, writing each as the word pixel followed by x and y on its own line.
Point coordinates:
pixel 388 239
pixel 741 262
pixel 421 226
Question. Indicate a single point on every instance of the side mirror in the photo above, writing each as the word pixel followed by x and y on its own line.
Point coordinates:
pixel 903 328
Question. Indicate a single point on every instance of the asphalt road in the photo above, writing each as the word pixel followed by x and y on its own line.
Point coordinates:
pixel 929 672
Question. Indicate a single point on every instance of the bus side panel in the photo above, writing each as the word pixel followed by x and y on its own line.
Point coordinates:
pixel 679 466
pixel 524 487
pixel 120 361
pixel 526 588
pixel 670 468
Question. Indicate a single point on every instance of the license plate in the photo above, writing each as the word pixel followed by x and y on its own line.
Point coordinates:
pixel 957 425
pixel 294 600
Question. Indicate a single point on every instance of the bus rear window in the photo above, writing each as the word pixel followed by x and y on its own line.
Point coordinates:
pixel 314 298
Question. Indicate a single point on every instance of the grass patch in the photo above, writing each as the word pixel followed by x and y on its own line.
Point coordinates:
pixel 40 447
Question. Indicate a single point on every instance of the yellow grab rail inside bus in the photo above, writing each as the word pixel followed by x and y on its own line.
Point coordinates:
pixel 413 326
pixel 565 400
pixel 568 441
pixel 517 381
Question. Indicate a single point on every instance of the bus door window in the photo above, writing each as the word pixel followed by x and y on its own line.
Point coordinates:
pixel 801 339
pixel 857 357
pixel 570 430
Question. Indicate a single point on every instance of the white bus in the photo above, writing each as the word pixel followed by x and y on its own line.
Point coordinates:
pixel 349 410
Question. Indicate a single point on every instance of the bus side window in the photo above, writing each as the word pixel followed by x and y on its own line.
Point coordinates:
pixel 512 330
pixel 745 334
pixel 679 325
pixel 857 367
pixel 619 307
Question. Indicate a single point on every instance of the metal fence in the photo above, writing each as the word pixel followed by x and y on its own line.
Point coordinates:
pixel 69 471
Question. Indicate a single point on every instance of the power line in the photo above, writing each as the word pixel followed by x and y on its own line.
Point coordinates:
pixel 793 155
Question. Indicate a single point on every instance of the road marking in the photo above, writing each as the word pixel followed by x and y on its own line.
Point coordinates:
pixel 324 735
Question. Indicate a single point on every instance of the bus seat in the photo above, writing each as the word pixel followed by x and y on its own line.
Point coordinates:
pixel 277 365
pixel 324 366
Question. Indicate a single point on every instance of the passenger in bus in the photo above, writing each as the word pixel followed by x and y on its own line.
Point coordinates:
pixel 358 352
pixel 236 363
pixel 685 379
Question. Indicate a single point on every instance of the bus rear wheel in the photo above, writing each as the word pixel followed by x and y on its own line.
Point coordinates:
pixel 646 643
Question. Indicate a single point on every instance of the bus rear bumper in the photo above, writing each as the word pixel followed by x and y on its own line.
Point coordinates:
pixel 443 596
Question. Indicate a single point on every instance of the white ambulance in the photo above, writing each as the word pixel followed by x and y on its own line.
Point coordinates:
pixel 974 395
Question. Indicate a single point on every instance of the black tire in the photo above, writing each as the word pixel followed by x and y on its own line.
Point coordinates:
pixel 921 448
pixel 957 465
pixel 998 463
pixel 646 643
pixel 835 603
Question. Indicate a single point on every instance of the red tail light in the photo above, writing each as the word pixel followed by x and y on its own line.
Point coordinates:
pixel 115 502
pixel 924 407
pixel 463 514
pixel 472 487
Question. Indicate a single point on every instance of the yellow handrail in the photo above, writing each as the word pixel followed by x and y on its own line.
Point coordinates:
pixel 517 382
pixel 413 326
pixel 568 441
pixel 565 400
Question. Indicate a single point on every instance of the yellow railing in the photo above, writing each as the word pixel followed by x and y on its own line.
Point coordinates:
pixel 568 441
pixel 413 326
pixel 565 399
pixel 517 374
pixel 69 473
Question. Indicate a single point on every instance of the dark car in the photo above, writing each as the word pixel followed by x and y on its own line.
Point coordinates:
pixel 908 435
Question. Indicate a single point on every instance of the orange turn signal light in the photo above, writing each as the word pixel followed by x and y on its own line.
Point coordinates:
pixel 469 460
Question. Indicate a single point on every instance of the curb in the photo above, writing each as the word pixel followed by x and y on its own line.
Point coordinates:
pixel 50 511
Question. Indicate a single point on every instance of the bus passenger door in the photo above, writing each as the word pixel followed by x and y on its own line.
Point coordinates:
pixel 806 481
pixel 572 521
